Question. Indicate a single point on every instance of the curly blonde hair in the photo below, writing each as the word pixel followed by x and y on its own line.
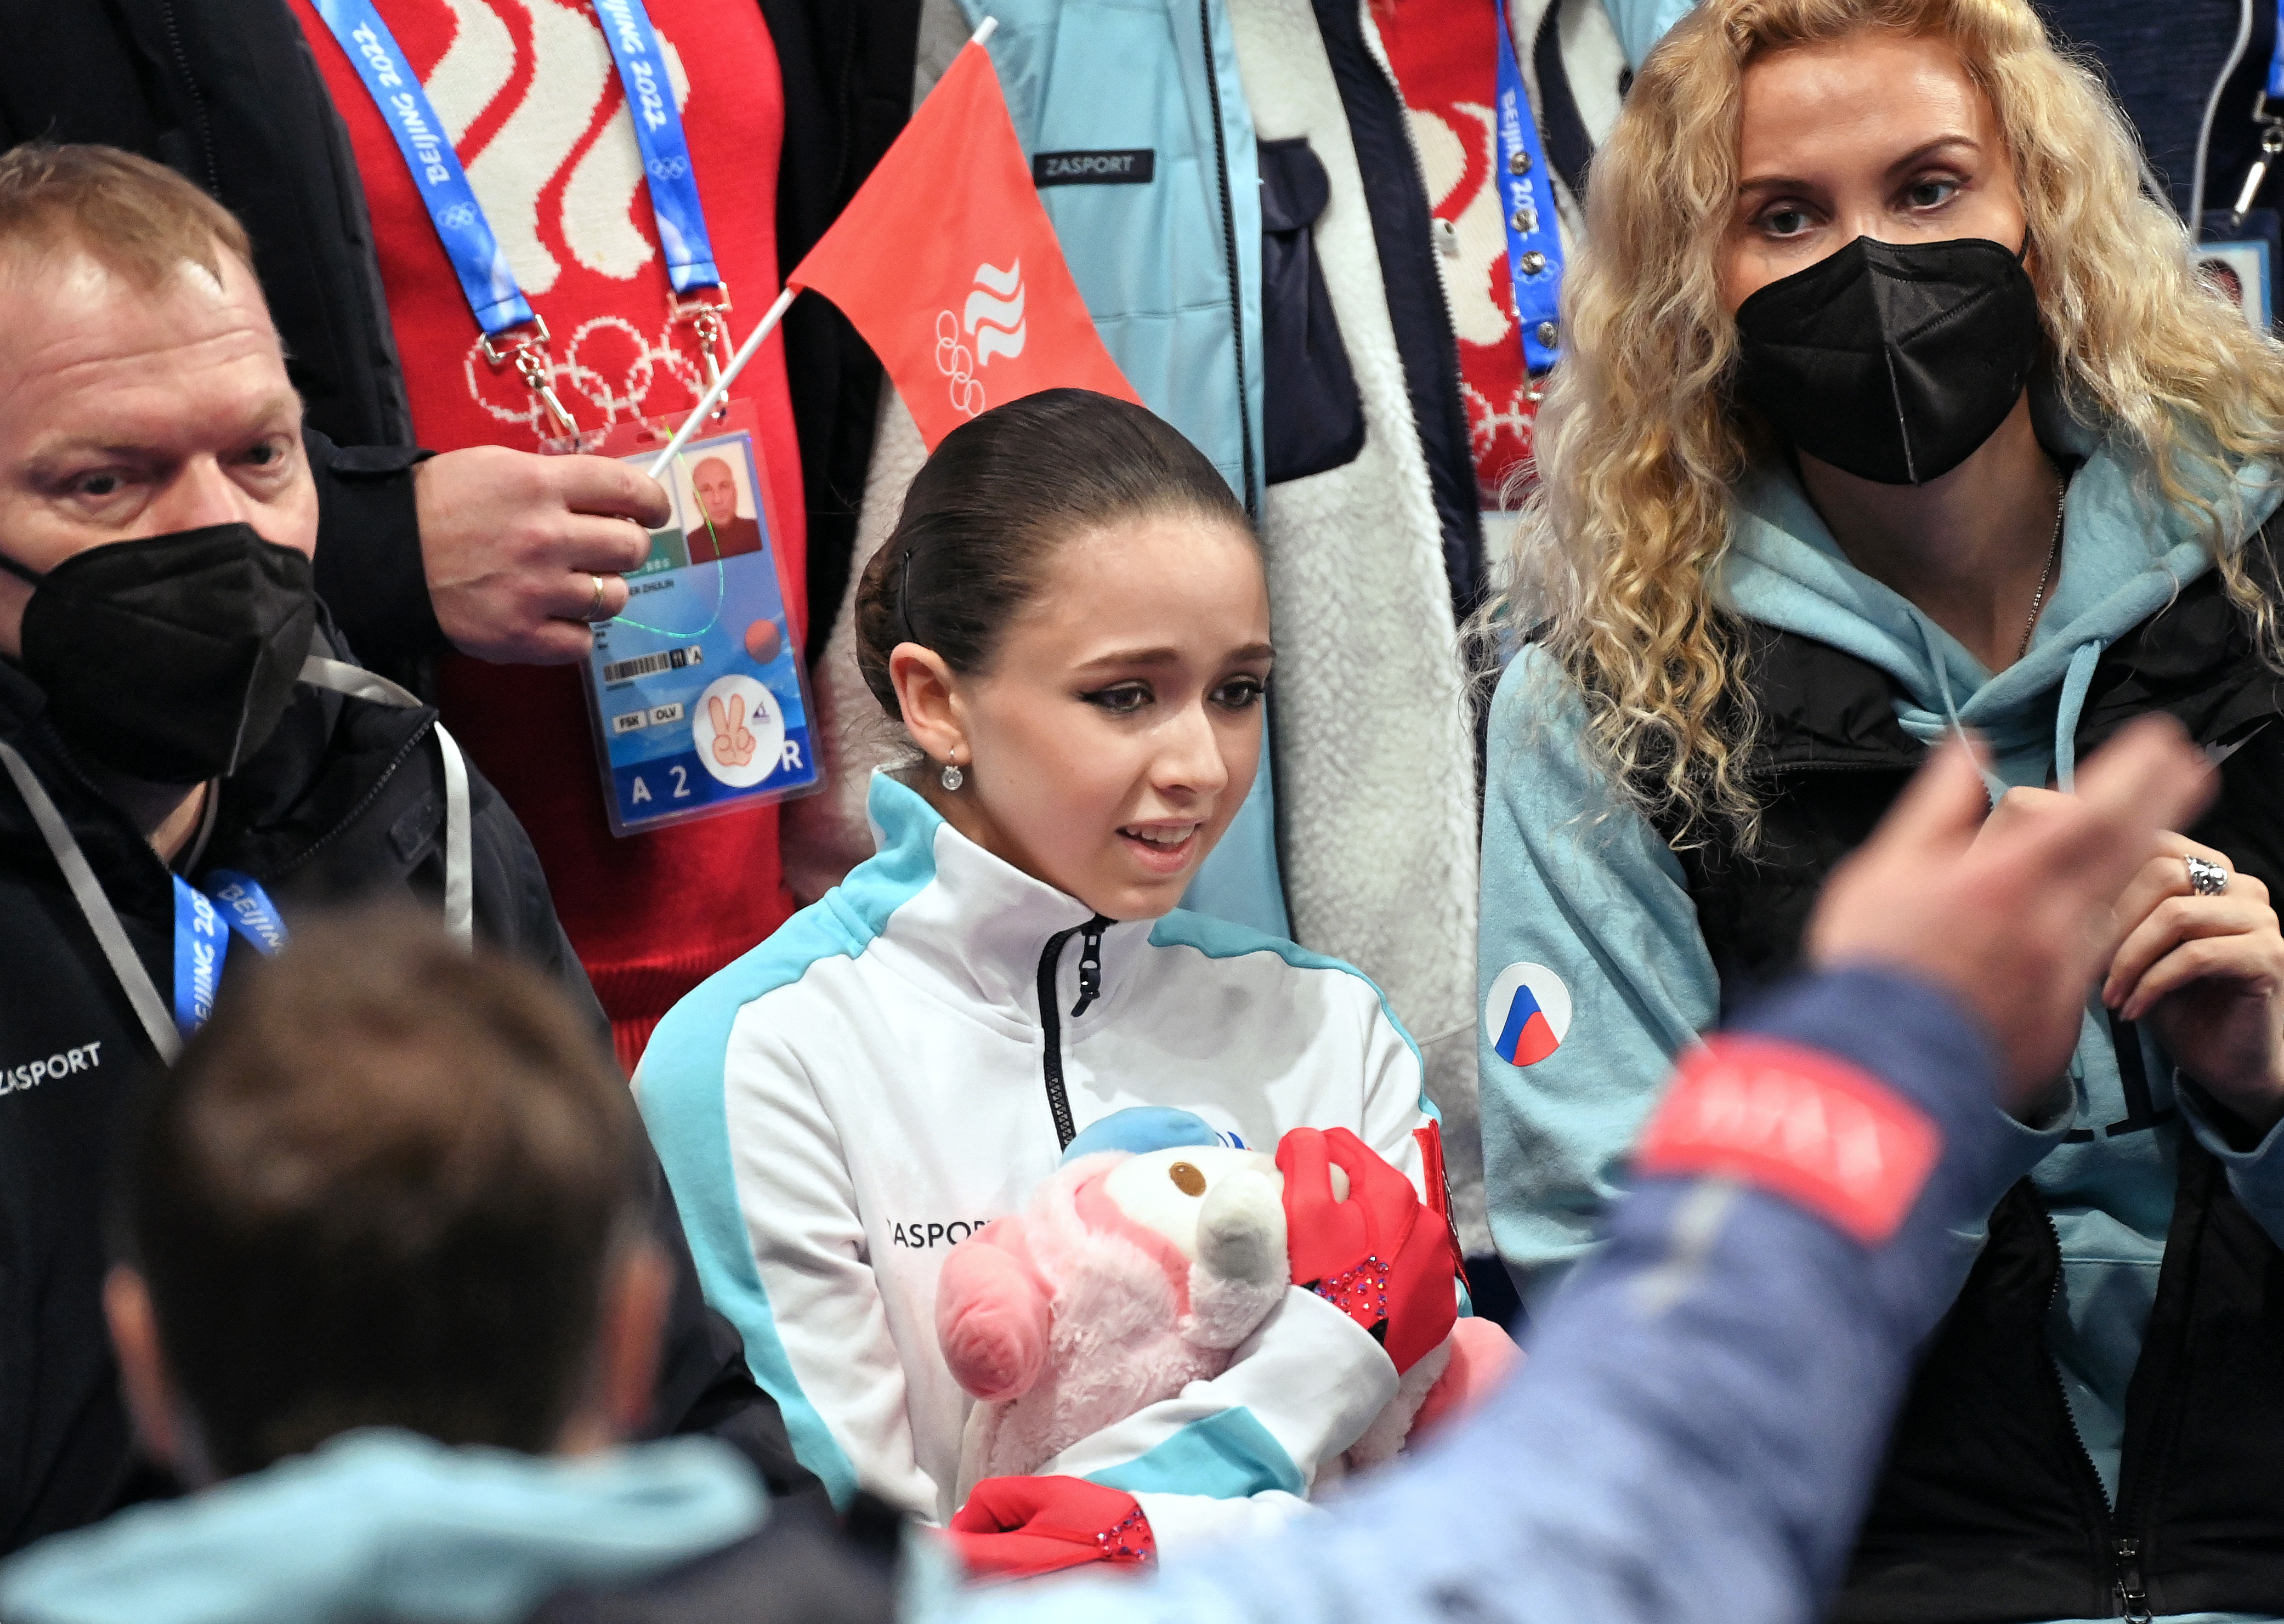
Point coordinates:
pixel 1640 441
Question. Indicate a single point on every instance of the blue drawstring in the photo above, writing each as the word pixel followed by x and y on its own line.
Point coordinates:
pixel 2067 711
pixel 1993 785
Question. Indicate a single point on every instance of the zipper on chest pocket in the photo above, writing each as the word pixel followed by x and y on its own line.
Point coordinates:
pixel 1050 1021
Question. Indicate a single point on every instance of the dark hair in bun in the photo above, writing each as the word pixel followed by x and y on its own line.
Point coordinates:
pixel 999 492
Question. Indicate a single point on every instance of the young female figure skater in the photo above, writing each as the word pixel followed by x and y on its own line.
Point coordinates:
pixel 1071 623
pixel 1889 403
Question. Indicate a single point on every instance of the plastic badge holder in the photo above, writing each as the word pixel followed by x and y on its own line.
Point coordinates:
pixel 696 694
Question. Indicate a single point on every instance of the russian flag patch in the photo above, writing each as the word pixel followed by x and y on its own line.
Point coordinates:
pixel 1528 1014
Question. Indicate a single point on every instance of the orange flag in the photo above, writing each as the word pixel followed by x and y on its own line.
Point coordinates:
pixel 948 265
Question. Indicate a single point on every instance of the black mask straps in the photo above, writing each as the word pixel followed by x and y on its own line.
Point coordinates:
pixel 170 657
pixel 1892 362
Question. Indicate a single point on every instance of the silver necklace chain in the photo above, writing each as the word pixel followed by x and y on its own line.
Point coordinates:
pixel 2046 577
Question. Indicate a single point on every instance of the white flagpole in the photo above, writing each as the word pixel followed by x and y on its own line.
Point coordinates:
pixel 753 344
pixel 713 397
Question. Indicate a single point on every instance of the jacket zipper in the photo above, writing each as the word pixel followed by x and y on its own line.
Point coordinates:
pixel 2125 1582
pixel 1419 173
pixel 197 102
pixel 1050 1021
pixel 1229 248
pixel 364 804
pixel 2132 1600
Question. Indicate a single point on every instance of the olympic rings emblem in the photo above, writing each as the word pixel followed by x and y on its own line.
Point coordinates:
pixel 956 363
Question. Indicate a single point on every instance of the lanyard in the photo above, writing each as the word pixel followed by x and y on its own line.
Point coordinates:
pixel 202 937
pixel 492 293
pixel 666 154
pixel 250 910
pixel 2275 63
pixel 1534 239
pixel 494 296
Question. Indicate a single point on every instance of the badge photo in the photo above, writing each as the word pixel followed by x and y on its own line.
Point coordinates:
pixel 697 691
pixel 2239 272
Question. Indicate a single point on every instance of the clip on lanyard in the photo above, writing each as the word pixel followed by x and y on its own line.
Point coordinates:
pixel 1534 237
pixel 513 333
pixel 2271 96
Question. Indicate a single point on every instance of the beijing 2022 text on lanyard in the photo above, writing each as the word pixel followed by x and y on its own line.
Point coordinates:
pixel 697 695
pixel 1534 237
pixel 202 937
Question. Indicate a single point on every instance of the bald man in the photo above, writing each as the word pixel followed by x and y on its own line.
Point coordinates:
pixel 719 532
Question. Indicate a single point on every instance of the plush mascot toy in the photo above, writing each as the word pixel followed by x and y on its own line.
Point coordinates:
pixel 1159 1246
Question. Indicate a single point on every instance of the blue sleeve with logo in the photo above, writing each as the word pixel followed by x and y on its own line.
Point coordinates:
pixel 1591 974
pixel 1698 1425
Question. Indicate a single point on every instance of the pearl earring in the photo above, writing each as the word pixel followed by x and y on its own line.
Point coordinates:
pixel 952 778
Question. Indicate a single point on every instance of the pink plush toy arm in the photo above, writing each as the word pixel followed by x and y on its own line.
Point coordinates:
pixel 991 1314
pixel 1483 1357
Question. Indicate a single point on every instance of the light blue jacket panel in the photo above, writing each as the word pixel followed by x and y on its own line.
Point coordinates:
pixel 389 1524
pixel 1171 270
pixel 1641 24
pixel 1168 294
pixel 1579 883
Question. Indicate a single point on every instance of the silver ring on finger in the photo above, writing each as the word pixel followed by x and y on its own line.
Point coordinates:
pixel 2206 877
pixel 595 611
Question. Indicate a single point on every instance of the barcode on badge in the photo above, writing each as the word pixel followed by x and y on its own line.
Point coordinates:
pixel 644 665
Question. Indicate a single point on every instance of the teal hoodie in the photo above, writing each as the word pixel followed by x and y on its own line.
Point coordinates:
pixel 1594 897
pixel 391 1524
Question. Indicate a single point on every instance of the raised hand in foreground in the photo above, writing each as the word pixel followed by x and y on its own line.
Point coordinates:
pixel 2017 917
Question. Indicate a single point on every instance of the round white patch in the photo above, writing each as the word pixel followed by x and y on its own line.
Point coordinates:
pixel 738 729
pixel 1528 1014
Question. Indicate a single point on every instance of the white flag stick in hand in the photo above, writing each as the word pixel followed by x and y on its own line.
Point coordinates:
pixel 753 344
pixel 713 397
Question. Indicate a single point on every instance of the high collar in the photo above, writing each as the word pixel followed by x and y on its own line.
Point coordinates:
pixel 975 927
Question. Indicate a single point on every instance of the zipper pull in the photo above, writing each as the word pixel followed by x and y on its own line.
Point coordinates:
pixel 2132 1600
pixel 1090 964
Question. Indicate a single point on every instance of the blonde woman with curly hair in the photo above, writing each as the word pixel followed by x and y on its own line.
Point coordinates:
pixel 1889 407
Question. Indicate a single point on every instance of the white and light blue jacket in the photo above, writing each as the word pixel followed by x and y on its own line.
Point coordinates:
pixel 1594 897
pixel 843 1104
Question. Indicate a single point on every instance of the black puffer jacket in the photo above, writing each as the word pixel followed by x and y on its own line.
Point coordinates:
pixel 345 803
pixel 1989 1506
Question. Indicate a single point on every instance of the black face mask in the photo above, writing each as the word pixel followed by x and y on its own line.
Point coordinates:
pixel 1891 362
pixel 170 659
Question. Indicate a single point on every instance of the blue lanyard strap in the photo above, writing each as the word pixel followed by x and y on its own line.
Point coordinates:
pixel 2275 63
pixel 1534 237
pixel 666 153
pixel 201 943
pixel 493 294
pixel 247 909
pixel 202 937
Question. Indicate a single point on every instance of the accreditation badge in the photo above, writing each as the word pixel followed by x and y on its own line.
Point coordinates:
pixel 697 693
